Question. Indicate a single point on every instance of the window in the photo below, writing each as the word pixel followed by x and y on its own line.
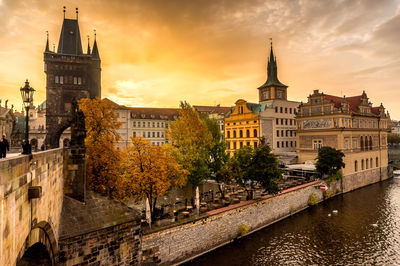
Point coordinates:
pixel 346 144
pixel 291 144
pixel 290 121
pixel 153 134
pixel 149 134
pixel 281 121
pixel 362 164
pixel 287 133
pixel 362 144
pixel 75 80
pixel 162 124
pixel 248 143
pixel 285 110
pixel 234 134
pixel 248 134
pixel 56 79
pixel 286 122
pixel 277 144
pixel 228 134
pixel 134 134
pixel 162 134
pixel 355 166
pixel 277 133
pixel 282 134
pixel 287 144
pixel 134 124
pixel 370 142
pixel 279 94
pixel 158 134
pixel 240 133
pixel 370 163
pixel 265 94
pixel 291 133
pixel 61 80
pixel 144 134
pixel 376 161
pixel 276 109
pixel 317 144
pixel 148 124
pixel 281 109
pixel 234 145
pixel 158 124
pixel 138 123
pixel 255 133
pixel 154 124
pixel 366 164
pixel 277 121
pixel 290 110
pixel 255 144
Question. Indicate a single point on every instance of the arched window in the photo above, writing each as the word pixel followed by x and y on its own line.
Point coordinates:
pixel 366 143
pixel 241 133
pixel 56 79
pixel 234 133
pixel 362 164
pixel 362 143
pixel 377 161
pixel 370 163
pixel 248 133
pixel 75 80
pixel 255 133
pixel 228 133
pixel 355 166
pixel 370 143
pixel 366 164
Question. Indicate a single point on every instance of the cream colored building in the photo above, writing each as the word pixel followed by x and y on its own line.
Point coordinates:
pixel 7 120
pixel 349 124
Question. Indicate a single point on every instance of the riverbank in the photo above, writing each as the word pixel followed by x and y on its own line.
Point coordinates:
pixel 183 242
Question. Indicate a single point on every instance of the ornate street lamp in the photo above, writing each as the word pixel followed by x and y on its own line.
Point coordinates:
pixel 27 99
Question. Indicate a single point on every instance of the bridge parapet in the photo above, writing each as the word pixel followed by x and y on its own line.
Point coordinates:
pixel 30 217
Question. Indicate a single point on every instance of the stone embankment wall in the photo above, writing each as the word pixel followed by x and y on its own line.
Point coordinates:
pixel 24 222
pixel 364 178
pixel 176 244
pixel 115 245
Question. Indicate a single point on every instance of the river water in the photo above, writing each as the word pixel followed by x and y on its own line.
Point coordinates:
pixel 365 230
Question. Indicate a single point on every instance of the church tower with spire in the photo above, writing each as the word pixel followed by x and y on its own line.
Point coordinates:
pixel 272 88
pixel 71 75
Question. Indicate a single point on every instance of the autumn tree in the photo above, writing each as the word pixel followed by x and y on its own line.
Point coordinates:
pixel 190 135
pixel 149 172
pixel 238 167
pixel 103 159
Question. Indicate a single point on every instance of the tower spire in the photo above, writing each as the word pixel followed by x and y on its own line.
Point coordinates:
pixel 47 42
pixel 95 51
pixel 88 44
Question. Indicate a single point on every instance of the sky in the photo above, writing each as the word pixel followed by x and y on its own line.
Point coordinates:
pixel 157 53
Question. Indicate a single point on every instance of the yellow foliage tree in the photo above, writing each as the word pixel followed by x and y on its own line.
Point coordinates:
pixel 103 159
pixel 150 171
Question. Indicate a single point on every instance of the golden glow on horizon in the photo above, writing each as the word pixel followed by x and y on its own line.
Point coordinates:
pixel 156 53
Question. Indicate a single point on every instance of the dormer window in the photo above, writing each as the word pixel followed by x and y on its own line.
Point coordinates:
pixel 266 95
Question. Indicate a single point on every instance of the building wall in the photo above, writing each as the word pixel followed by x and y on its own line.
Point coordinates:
pixel 23 221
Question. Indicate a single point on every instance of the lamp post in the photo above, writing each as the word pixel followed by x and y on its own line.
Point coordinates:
pixel 27 99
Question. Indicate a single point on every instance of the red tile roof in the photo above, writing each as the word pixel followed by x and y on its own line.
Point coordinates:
pixel 212 109
pixel 353 101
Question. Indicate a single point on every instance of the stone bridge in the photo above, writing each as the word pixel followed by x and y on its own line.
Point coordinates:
pixel 31 195
pixel 47 218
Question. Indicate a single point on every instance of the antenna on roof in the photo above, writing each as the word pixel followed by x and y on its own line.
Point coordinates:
pixel 64 11
pixel 76 13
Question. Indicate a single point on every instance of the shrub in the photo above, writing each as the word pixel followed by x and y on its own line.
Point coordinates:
pixel 243 229
pixel 334 177
pixel 327 194
pixel 312 200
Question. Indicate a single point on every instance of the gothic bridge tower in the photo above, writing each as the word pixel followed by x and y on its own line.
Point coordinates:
pixel 70 76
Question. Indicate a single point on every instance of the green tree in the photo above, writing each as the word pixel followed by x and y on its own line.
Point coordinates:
pixel 217 155
pixel 329 161
pixel 393 138
pixel 238 167
pixel 264 169
pixel 190 135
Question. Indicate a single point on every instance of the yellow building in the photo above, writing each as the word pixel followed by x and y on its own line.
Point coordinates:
pixel 349 124
pixel 242 126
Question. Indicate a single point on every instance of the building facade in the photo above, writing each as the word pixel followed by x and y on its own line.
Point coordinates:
pixel 7 120
pixel 71 75
pixel 215 112
pixel 273 117
pixel 349 124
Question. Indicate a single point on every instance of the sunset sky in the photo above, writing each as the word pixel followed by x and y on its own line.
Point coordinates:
pixel 156 52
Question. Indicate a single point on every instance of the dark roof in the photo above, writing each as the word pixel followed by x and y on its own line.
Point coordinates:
pixel 272 73
pixel 95 51
pixel 212 109
pixel 353 101
pixel 70 38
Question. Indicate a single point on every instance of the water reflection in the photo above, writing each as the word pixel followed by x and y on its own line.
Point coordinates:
pixel 366 230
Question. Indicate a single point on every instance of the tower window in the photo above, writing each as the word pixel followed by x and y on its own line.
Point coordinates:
pixel 79 80
pixel 75 80
pixel 56 79
pixel 61 80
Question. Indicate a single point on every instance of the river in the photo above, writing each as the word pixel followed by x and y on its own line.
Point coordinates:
pixel 365 230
